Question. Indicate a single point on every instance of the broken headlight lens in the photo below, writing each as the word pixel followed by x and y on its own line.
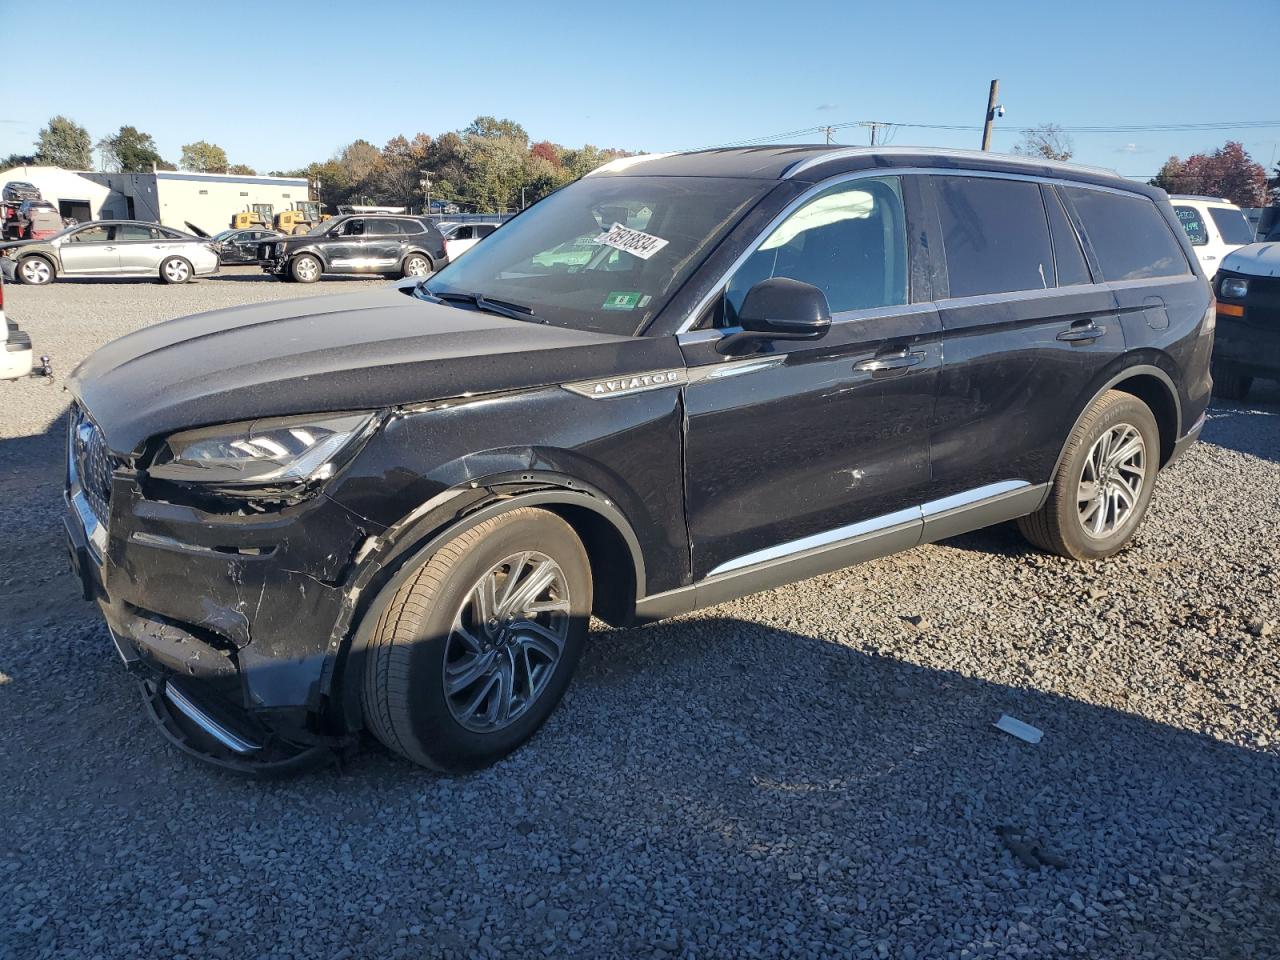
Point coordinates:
pixel 275 452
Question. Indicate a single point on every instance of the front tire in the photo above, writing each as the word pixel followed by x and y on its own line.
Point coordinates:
pixel 478 645
pixel 175 270
pixel 1104 483
pixel 305 268
pixel 35 271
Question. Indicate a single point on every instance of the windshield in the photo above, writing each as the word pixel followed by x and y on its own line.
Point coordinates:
pixel 604 253
pixel 1231 224
pixel 324 226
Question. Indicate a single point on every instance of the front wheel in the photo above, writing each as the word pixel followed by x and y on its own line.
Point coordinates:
pixel 1104 483
pixel 476 648
pixel 305 268
pixel 36 271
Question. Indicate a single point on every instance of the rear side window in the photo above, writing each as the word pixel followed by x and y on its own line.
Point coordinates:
pixel 1129 236
pixel 995 235
pixel 1193 224
pixel 1072 268
pixel 383 228
pixel 1232 225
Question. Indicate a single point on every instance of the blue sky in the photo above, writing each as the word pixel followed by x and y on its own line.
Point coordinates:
pixel 646 75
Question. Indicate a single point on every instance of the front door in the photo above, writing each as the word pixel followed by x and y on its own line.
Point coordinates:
pixel 90 251
pixel 347 252
pixel 802 445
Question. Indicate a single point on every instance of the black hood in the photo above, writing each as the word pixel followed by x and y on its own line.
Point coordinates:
pixel 347 352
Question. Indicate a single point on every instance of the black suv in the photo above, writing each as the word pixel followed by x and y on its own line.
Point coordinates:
pixel 679 380
pixel 362 243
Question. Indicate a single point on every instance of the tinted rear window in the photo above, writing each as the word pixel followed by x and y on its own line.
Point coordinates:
pixel 995 235
pixel 1232 225
pixel 1193 224
pixel 1072 268
pixel 1129 236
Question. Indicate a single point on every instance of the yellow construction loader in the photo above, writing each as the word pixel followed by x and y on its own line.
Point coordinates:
pixel 304 215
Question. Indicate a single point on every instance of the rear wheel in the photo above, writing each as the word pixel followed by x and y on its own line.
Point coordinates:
pixel 477 647
pixel 305 268
pixel 1103 485
pixel 36 271
pixel 175 270
pixel 415 265
pixel 1230 385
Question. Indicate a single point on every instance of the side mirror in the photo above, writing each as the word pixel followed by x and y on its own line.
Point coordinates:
pixel 780 309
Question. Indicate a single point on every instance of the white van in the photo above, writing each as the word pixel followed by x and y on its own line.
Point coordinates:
pixel 1215 227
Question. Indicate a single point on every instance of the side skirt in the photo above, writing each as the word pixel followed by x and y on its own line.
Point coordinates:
pixel 928 523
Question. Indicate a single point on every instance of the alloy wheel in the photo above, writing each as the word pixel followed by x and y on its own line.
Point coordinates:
pixel 506 641
pixel 416 267
pixel 36 271
pixel 176 271
pixel 1111 481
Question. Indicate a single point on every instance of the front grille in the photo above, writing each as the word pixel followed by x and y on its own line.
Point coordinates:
pixel 92 462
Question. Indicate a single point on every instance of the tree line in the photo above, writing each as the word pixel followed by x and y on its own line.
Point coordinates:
pixel 491 165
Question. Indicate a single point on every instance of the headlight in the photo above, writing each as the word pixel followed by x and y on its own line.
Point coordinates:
pixel 276 452
pixel 1234 288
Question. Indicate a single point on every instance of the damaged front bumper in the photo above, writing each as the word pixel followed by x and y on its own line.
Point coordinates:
pixel 237 617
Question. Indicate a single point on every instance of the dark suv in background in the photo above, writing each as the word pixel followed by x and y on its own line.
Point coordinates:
pixel 677 381
pixel 362 243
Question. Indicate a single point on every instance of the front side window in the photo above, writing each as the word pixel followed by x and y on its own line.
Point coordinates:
pixel 353 228
pixel 1128 234
pixel 1232 225
pixel 462 233
pixel 994 234
pixel 91 235
pixel 850 241
pixel 604 253
pixel 1193 224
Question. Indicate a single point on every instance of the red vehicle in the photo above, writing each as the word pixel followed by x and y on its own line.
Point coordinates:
pixel 12 197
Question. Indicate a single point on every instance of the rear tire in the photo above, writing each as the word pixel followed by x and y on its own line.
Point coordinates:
pixel 1104 483
pixel 461 669
pixel 305 268
pixel 1230 385
pixel 175 270
pixel 415 265
pixel 34 271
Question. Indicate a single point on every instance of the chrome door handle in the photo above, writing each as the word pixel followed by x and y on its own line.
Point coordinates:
pixel 1078 334
pixel 108 248
pixel 890 361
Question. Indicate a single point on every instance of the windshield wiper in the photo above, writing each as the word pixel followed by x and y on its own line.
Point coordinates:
pixel 512 311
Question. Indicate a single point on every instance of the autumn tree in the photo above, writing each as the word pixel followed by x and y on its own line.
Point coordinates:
pixel 204 157
pixel 1046 141
pixel 129 150
pixel 64 143
pixel 1228 172
pixel 242 170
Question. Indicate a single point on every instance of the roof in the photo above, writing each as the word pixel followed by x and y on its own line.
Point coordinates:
pixel 815 162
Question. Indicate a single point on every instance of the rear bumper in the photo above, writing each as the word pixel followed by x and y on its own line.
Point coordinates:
pixel 1191 436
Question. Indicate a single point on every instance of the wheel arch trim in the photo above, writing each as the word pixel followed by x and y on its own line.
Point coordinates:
pixel 1120 376
pixel 420 535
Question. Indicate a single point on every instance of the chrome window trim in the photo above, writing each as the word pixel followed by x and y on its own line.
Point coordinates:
pixel 686 325
pixel 874 525
pixel 809 163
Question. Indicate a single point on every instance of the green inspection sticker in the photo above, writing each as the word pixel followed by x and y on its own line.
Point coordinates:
pixel 622 300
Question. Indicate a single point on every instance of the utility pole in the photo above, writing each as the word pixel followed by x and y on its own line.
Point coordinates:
pixel 828 131
pixel 991 114
pixel 874 127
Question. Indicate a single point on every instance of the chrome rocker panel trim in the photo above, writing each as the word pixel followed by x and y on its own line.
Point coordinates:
pixel 849 545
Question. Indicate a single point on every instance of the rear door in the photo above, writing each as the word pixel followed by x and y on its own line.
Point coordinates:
pixel 805 445
pixel 1026 328
pixel 141 248
pixel 90 251
pixel 386 242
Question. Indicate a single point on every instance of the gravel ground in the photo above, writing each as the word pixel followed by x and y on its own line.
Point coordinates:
pixel 810 772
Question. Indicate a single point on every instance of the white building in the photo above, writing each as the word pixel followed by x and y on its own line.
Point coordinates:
pixel 208 200
pixel 174 198
pixel 74 194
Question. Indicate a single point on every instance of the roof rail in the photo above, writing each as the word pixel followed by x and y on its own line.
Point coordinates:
pixel 622 163
pixel 842 152
pixel 1198 196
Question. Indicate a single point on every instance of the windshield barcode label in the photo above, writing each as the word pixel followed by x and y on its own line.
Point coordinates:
pixel 634 242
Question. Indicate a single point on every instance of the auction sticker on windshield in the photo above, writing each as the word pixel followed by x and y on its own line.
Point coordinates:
pixel 635 242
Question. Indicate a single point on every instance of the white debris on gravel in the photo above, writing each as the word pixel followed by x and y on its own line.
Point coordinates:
pixel 802 773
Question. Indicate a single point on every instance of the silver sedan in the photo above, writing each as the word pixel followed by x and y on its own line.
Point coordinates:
pixel 112 248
